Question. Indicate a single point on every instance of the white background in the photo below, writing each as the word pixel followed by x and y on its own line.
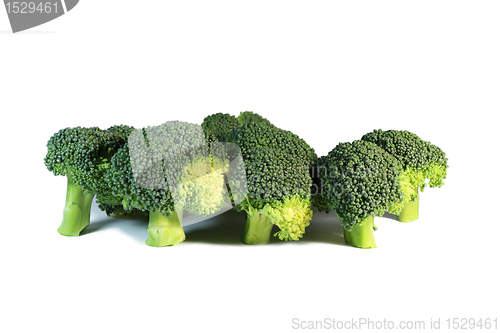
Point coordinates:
pixel 329 71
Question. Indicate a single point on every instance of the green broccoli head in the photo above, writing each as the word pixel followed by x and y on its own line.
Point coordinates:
pixel 83 155
pixel 359 180
pixel 168 168
pixel 121 130
pixel 421 160
pixel 277 166
pixel 246 117
pixel 220 125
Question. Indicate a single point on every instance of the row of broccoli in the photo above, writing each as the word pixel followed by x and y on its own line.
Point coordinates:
pixel 271 174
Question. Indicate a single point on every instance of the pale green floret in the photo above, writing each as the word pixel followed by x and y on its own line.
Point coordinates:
pixel 407 180
pixel 292 216
pixel 203 186
pixel 173 156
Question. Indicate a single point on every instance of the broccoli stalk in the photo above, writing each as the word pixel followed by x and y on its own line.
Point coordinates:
pixel 76 213
pixel 409 213
pixel 257 229
pixel 361 235
pixel 165 230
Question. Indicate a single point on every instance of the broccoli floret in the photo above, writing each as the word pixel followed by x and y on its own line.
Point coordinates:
pixel 121 130
pixel 82 155
pixel 358 181
pixel 277 166
pixel 421 160
pixel 246 117
pixel 164 170
pixel 220 125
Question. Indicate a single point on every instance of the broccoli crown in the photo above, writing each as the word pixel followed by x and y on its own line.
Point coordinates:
pixel 246 117
pixel 259 141
pixel 83 155
pixel 421 159
pixel 219 125
pixel 121 130
pixel 277 166
pixel 358 180
pixel 166 168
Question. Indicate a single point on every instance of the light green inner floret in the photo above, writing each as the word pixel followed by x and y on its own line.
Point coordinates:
pixel 292 216
pixel 436 173
pixel 411 180
pixel 201 188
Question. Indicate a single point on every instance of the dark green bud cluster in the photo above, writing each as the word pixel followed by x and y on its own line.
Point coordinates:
pixel 120 178
pixel 257 141
pixel 277 162
pixel 83 155
pixel 121 130
pixel 246 117
pixel 358 180
pixel 219 125
pixel 423 159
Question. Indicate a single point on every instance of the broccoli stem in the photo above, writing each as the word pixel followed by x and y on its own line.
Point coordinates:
pixel 76 213
pixel 165 230
pixel 361 235
pixel 258 229
pixel 409 213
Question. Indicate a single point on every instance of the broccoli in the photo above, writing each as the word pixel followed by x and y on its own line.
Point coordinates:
pixel 276 164
pixel 251 117
pixel 358 181
pixel 421 161
pixel 164 170
pixel 83 155
pixel 220 125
